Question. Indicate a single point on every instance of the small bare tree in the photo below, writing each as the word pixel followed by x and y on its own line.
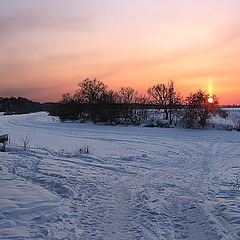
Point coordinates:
pixel 236 184
pixel 82 150
pixel 25 141
pixel 4 139
pixel 236 121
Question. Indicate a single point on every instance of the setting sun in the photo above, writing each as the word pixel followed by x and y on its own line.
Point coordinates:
pixel 210 100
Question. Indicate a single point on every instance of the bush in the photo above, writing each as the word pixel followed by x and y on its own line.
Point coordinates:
pixel 236 121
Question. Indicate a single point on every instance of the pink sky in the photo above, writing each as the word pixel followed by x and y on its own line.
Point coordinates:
pixel 47 47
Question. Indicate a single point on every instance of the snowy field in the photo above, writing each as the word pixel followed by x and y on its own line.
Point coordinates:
pixel 136 183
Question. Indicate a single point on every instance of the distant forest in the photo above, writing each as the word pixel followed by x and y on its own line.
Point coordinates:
pixel 22 105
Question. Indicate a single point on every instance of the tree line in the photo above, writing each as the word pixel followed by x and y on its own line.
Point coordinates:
pixel 21 105
pixel 17 105
pixel 95 102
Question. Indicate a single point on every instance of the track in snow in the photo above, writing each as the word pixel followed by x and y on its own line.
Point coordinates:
pixel 137 184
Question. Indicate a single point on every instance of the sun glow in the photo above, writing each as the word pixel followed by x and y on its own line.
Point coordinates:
pixel 210 87
pixel 210 91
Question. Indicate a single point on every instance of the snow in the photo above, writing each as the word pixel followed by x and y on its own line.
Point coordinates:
pixel 230 123
pixel 136 183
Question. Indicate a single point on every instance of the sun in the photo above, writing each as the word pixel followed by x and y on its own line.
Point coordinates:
pixel 210 100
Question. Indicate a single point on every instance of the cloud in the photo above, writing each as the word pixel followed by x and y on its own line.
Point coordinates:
pixel 19 17
pixel 21 24
pixel 18 91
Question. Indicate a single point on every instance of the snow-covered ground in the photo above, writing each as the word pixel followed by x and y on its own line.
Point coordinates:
pixel 136 183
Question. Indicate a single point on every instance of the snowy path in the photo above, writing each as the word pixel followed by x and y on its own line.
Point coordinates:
pixel 139 183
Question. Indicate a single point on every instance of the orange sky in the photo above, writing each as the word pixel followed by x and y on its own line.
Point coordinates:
pixel 47 47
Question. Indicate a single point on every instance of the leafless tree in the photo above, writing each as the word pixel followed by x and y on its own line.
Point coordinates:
pixel 25 141
pixel 127 95
pixel 199 110
pixel 166 97
pixel 236 121
pixel 92 91
pixel 66 98
pixel 133 105
pixel 4 139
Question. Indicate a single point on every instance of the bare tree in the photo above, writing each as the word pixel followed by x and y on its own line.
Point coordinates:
pixel 4 139
pixel 25 141
pixel 127 95
pixel 66 98
pixel 199 109
pixel 174 101
pixel 140 112
pixel 236 121
pixel 133 105
pixel 111 97
pixel 92 91
pixel 126 98
pixel 166 97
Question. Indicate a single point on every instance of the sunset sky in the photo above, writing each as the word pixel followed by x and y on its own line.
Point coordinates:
pixel 48 46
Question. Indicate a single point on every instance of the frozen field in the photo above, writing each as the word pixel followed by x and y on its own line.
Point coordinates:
pixel 137 183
